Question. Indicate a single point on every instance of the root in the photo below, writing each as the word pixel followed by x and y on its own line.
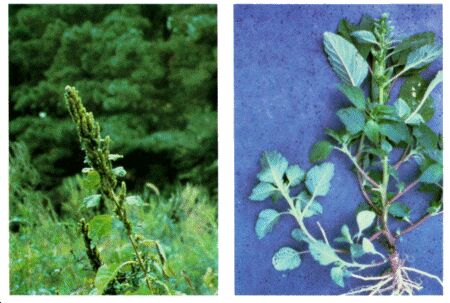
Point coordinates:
pixel 395 283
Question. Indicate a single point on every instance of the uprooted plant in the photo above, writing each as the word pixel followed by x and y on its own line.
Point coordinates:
pixel 146 268
pixel 378 137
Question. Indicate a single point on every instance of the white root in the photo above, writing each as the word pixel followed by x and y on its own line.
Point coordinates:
pixel 395 283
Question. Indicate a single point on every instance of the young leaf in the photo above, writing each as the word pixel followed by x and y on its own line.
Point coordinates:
pixel 365 219
pixel 320 151
pixel 372 131
pixel 274 165
pixel 92 201
pixel 422 56
pixel 322 252
pixel 400 210
pixel 368 247
pixel 318 179
pixel 262 191
pixel 286 258
pixel 345 60
pixel 353 119
pixel 267 218
pixel 337 275
pixel 432 174
pixel 355 95
pixel 114 157
pixel 365 37
pixel 134 200
pixel 295 175
pixel 345 231
pixel 119 171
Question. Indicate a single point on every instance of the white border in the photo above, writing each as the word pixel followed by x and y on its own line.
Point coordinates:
pixel 226 165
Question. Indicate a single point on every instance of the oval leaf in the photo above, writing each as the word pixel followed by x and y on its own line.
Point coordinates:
pixel 267 218
pixel 345 60
pixel 320 151
pixel 286 259
pixel 365 219
pixel 318 179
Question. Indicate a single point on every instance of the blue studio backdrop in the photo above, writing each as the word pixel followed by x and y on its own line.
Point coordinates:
pixel 285 96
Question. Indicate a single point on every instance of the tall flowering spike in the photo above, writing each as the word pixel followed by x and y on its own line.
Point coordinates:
pixel 96 148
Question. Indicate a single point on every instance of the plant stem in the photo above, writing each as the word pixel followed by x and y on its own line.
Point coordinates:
pixel 407 189
pixel 417 223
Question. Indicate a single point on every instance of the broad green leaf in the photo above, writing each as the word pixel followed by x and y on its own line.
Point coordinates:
pixel 274 165
pixel 92 201
pixel 412 92
pixel 400 210
pixel 368 247
pixel 318 179
pixel 432 174
pixel 416 41
pixel 365 219
pixel 337 275
pixel 299 235
pixel 134 200
pixel 320 151
pixel 302 200
pixel 323 253
pixel 365 37
pixel 422 56
pixel 286 258
pixel 267 218
pixel 354 94
pixel 395 131
pixel 262 191
pixel 353 119
pixel 412 119
pixel 345 60
pixel 295 175
pixel 402 108
pixel 91 180
pixel 119 171
pixel 372 131
pixel 100 227
pixel 425 137
pixel 104 275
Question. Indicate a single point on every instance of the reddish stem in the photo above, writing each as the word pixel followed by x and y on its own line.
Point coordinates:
pixel 407 189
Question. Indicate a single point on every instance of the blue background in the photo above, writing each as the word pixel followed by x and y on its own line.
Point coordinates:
pixel 285 96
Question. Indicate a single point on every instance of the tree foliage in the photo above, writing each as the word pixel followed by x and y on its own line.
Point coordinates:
pixel 149 71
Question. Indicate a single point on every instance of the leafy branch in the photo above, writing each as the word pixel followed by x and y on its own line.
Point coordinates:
pixel 375 128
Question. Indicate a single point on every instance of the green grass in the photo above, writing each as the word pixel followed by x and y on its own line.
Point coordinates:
pixel 47 252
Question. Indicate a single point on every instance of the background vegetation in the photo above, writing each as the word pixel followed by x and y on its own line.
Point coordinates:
pixel 148 72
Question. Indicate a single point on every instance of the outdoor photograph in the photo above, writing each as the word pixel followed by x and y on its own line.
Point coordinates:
pixel 338 149
pixel 113 150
